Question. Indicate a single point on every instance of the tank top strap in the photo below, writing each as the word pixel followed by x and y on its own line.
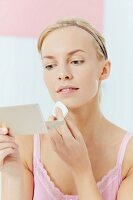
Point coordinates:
pixel 37 146
pixel 122 148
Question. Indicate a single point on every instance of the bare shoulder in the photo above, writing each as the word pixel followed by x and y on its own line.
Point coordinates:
pixel 128 156
pixel 115 137
pixel 129 148
pixel 25 143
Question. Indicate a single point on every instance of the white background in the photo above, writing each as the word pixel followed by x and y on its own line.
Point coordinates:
pixel 21 77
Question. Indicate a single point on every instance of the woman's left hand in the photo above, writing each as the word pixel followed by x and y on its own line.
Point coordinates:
pixel 68 143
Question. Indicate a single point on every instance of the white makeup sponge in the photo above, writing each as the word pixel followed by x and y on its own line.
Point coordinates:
pixel 62 107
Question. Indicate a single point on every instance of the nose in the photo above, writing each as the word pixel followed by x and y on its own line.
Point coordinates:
pixel 65 76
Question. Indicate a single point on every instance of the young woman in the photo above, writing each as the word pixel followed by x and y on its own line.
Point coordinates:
pixel 87 157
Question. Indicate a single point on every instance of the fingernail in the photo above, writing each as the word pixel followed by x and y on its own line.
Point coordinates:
pixel 3 130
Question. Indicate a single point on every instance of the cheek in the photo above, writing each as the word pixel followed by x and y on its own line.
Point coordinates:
pixel 89 83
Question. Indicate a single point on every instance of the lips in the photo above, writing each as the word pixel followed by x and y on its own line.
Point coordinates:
pixel 65 88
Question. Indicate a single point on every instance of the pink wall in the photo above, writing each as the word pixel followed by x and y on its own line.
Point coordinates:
pixel 27 18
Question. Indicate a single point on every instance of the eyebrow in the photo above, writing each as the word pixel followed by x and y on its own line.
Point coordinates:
pixel 69 54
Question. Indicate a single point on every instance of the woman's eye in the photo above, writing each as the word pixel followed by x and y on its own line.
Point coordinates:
pixel 49 67
pixel 77 61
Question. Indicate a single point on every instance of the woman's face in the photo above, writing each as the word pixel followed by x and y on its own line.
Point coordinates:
pixel 70 59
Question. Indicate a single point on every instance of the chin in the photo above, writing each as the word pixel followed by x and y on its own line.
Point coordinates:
pixel 72 103
pixel 77 101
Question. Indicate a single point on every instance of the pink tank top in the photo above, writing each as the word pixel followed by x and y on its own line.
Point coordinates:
pixel 45 189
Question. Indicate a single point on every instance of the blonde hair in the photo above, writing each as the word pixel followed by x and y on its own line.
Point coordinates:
pixel 99 40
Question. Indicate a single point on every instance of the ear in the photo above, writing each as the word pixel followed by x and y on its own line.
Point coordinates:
pixel 105 70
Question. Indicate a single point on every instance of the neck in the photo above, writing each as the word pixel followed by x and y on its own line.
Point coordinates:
pixel 88 119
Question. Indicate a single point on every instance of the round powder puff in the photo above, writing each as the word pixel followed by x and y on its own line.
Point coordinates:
pixel 62 107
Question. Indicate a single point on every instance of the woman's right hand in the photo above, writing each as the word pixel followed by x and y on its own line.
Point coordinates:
pixel 10 162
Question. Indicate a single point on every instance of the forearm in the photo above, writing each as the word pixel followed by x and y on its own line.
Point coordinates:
pixel 12 188
pixel 86 186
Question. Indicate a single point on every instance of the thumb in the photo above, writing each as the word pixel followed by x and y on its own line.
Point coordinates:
pixel 3 130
